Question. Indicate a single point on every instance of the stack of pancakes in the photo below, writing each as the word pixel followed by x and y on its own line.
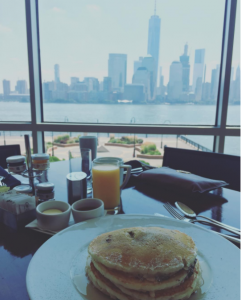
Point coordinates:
pixel 144 263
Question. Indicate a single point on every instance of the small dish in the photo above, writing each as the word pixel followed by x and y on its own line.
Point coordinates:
pixel 53 222
pixel 86 209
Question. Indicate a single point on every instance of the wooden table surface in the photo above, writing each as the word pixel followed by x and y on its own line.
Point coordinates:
pixel 18 247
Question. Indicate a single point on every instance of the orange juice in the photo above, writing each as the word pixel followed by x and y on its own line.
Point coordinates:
pixel 106 184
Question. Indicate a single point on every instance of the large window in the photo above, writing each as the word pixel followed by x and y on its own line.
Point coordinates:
pixel 156 70
pixel 105 63
pixel 14 82
pixel 15 138
pixel 148 148
pixel 234 89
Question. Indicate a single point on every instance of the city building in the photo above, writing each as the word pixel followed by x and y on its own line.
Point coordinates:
pixel 175 81
pixel 107 84
pixel 77 96
pixel 135 92
pixel 214 83
pixel 198 89
pixel 21 87
pixel 74 80
pixel 198 69
pixel 206 91
pixel 92 83
pixel 48 88
pixel 148 62
pixel 154 41
pixel 137 64
pixel 142 77
pixel 6 87
pixel 184 59
pixel 162 87
pixel 117 65
pixel 56 73
pixel 79 86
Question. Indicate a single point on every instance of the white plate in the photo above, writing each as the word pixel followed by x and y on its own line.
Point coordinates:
pixel 57 270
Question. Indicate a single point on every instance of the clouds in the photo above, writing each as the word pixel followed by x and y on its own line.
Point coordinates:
pixel 5 29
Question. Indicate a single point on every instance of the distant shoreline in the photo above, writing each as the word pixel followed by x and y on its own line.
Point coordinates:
pixel 155 103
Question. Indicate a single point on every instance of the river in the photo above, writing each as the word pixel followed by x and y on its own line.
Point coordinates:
pixel 124 113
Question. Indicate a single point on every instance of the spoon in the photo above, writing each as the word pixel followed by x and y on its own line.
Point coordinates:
pixel 187 211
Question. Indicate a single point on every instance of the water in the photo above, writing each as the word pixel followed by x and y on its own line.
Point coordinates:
pixel 127 113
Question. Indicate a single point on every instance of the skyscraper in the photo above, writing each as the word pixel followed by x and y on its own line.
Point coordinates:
pixel 148 62
pixel 21 87
pixel 6 87
pixel 117 70
pixel 56 73
pixel 184 59
pixel 154 41
pixel 175 81
pixel 214 83
pixel 92 83
pixel 137 64
pixel 107 84
pixel 198 69
pixel 142 77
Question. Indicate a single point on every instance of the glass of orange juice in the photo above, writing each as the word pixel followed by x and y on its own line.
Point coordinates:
pixel 106 181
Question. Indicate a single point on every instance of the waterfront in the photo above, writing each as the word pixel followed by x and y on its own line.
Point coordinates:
pixel 124 113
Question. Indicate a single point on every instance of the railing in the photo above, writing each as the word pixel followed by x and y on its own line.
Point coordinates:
pixel 194 144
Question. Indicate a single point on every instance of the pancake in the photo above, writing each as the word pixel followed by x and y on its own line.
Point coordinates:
pixel 138 283
pixel 183 291
pixel 104 285
pixel 144 250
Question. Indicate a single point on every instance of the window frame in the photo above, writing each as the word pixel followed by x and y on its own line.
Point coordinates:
pixel 220 130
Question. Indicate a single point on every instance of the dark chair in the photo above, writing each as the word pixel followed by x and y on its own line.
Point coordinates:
pixel 207 164
pixel 6 151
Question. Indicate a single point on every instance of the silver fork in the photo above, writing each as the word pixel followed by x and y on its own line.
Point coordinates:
pixel 180 217
pixel 176 215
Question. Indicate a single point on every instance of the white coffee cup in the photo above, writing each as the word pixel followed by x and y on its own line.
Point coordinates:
pixel 95 209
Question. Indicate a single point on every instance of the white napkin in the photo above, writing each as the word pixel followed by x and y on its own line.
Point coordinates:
pixel 17 203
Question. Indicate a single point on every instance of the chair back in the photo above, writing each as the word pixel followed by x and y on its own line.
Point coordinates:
pixel 206 164
pixel 6 151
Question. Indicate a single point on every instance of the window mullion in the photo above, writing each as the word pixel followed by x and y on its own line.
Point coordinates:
pixel 225 72
pixel 34 72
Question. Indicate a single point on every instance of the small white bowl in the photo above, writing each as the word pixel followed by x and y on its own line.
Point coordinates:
pixel 53 222
pixel 96 205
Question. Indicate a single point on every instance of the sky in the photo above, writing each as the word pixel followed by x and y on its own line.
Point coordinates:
pixel 79 35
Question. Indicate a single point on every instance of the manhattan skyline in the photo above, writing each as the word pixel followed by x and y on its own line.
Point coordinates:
pixel 64 38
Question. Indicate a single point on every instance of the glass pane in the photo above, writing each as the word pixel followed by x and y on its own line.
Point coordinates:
pixel 232 145
pixel 119 69
pixel 233 117
pixel 15 138
pixel 148 148
pixel 14 77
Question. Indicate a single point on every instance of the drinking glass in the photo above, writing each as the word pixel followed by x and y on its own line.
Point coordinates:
pixel 80 160
pixel 106 181
pixel 89 142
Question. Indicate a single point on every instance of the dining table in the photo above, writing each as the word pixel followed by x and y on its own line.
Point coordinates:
pixel 17 247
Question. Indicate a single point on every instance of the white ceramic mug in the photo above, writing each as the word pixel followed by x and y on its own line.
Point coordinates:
pixel 86 209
